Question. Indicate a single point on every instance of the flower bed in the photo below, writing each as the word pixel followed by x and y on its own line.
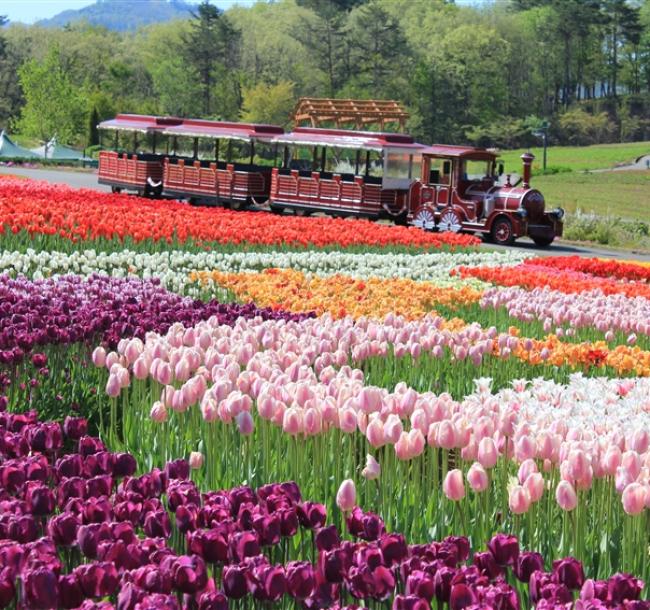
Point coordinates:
pixel 79 529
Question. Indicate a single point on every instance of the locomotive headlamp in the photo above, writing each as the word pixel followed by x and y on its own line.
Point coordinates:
pixel 558 213
pixel 522 213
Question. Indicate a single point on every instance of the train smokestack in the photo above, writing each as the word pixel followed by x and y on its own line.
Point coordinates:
pixel 527 159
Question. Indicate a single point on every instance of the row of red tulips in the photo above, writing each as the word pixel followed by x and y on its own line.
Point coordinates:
pixel 78 215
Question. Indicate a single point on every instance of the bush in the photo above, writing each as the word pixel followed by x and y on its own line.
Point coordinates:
pixel 607 231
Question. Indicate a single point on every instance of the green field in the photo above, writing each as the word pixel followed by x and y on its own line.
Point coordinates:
pixel 578 158
pixel 625 193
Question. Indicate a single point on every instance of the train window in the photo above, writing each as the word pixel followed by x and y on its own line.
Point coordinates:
pixel 375 164
pixel 474 170
pixel 439 171
pixel 238 151
pixel 398 169
pixel 302 158
pixel 206 149
pixel 267 154
pixel 340 161
pixel 184 147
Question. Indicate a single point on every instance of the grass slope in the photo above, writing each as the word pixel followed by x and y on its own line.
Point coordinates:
pixel 623 193
pixel 578 158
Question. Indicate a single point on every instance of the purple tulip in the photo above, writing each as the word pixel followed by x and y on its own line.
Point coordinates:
pixel 301 579
pixel 189 574
pixel 311 515
pixel 527 563
pixel 158 601
pixel 98 579
pixel 178 469
pixel 420 583
pixel 212 545
pixel 124 465
pixel 213 600
pixel 327 538
pixel 7 587
pixel 505 549
pixel 157 524
pixel 442 583
pixel 393 548
pixel 621 587
pixel 243 544
pixel 569 572
pixel 268 529
pixel 234 581
pixel 268 583
pixel 75 427
pixel 129 596
pixel 63 528
pixel 70 592
pixel 487 565
pixel 410 602
pixel 39 588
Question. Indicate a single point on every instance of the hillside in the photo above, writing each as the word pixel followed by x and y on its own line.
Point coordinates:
pixel 122 16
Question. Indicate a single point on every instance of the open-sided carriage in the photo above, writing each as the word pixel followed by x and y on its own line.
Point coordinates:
pixel 128 166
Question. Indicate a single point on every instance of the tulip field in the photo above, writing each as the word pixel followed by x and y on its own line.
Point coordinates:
pixel 203 409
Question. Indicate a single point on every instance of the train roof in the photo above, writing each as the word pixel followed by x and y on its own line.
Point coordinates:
pixel 447 150
pixel 219 129
pixel 140 122
pixel 343 138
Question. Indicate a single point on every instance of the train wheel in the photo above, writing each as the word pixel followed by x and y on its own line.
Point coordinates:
pixel 543 242
pixel 116 189
pixel 425 219
pixel 502 232
pixel 449 221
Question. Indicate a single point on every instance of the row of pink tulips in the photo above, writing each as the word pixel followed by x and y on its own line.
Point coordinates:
pixel 252 395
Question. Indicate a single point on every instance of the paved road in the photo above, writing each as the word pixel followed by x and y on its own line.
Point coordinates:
pixel 76 178
pixel 88 179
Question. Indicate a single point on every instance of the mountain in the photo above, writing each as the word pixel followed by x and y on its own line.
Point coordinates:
pixel 122 15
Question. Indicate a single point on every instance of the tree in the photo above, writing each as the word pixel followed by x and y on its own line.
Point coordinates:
pixel 379 53
pixel 268 103
pixel 53 106
pixel 323 35
pixel 211 48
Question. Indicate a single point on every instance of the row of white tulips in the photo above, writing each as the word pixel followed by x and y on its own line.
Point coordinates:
pixel 173 268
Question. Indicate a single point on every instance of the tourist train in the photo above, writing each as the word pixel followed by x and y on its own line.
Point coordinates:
pixel 332 171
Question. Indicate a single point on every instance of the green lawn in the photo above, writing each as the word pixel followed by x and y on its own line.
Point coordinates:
pixel 623 194
pixel 579 158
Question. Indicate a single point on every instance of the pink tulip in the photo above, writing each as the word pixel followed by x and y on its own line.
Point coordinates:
pixel 477 478
pixel 158 412
pixel 245 423
pixel 565 495
pixel 291 421
pixel 524 448
pixel 113 386
pixel 111 359
pixel 526 468
pixel 346 496
pixel 99 357
pixel 612 460
pixel 416 442
pixel 446 435
pixel 375 432
pixel 393 429
pixel 402 447
pixel 313 421
pixel 453 486
pixel 487 452
pixel 196 460
pixel 348 420
pixel 372 469
pixel 634 498
pixel 518 500
pixel 209 410
pixel 631 461
pixel 534 485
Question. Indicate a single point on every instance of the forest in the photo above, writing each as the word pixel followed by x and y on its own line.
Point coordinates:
pixel 490 74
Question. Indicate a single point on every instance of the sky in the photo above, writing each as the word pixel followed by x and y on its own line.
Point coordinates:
pixel 29 11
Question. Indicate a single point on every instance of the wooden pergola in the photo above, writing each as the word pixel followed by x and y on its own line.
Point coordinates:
pixel 358 113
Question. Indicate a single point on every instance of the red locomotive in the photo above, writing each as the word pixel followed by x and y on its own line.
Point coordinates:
pixel 338 172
